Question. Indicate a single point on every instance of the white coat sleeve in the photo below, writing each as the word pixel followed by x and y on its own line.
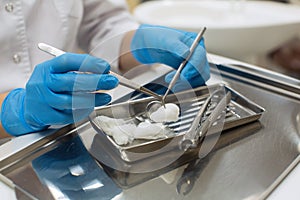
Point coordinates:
pixel 103 26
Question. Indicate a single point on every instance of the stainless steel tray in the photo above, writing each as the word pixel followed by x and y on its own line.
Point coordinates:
pixel 240 111
pixel 248 161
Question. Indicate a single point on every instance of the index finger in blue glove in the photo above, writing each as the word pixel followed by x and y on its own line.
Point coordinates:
pixel 74 82
pixel 80 100
pixel 78 62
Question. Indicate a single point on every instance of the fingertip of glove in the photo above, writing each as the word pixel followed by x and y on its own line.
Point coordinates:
pixel 111 81
pixel 81 62
pixel 102 99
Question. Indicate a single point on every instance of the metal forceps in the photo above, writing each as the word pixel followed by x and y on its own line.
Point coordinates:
pixel 202 122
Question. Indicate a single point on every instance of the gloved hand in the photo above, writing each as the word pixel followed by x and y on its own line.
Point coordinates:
pixel 157 44
pixel 56 95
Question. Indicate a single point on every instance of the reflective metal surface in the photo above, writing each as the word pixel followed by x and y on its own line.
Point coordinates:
pixel 244 163
pixel 65 172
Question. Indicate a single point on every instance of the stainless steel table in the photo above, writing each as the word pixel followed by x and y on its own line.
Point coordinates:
pixel 246 163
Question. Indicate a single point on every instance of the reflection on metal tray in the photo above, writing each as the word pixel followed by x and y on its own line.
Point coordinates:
pixel 240 111
pixel 126 179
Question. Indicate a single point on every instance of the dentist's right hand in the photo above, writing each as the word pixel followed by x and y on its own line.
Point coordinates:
pixel 56 94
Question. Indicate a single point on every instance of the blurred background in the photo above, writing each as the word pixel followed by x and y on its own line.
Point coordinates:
pixel 264 33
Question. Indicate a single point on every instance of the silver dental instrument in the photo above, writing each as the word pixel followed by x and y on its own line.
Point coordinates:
pixel 122 80
pixel 182 65
pixel 199 128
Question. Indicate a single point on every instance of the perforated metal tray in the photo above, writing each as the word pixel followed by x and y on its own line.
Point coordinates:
pixel 240 111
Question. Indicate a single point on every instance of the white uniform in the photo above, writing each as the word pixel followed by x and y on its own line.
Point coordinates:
pixel 66 24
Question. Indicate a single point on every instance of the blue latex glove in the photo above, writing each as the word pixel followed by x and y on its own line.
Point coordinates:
pixel 157 44
pixel 56 95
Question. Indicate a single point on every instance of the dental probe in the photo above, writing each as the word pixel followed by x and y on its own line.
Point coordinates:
pixel 122 80
pixel 184 62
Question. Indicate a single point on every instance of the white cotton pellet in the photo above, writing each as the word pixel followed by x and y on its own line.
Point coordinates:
pixel 120 138
pixel 146 130
pixel 110 122
pixel 123 134
pixel 107 123
pixel 169 113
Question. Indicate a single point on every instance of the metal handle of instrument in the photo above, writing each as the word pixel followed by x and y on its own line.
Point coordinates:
pixel 182 65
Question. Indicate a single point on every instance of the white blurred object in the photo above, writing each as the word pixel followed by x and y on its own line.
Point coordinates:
pixel 236 28
pixel 119 2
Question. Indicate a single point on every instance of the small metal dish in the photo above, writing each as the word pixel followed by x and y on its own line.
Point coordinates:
pixel 240 111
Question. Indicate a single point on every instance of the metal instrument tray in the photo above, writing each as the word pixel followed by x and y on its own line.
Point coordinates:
pixel 240 111
pixel 247 162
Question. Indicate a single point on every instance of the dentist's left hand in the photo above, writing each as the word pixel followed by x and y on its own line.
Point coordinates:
pixel 158 44
pixel 56 95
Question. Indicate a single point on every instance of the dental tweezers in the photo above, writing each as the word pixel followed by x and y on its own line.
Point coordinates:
pixel 202 122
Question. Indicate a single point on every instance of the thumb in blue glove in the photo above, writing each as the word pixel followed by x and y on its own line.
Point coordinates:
pixel 158 44
pixel 56 95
